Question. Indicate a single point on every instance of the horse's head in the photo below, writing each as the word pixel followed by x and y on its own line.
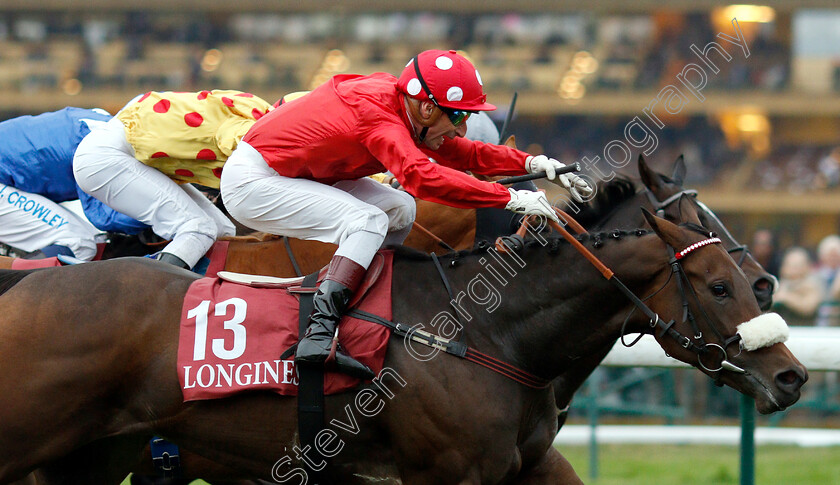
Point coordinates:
pixel 717 324
pixel 664 191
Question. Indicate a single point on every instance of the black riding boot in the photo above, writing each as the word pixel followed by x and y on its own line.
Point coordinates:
pixel 173 260
pixel 329 303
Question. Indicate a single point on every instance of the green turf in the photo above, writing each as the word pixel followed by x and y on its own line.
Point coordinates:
pixel 705 465
pixel 701 465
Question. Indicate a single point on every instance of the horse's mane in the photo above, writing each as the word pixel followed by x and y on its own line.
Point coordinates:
pixel 608 196
pixel 9 278
pixel 551 242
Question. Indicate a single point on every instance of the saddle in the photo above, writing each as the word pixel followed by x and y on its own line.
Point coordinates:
pixel 295 284
pixel 269 309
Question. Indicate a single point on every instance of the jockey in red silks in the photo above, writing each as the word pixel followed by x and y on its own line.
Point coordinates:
pixel 301 171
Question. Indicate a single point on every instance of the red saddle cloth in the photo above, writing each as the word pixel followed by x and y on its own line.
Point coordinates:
pixel 20 263
pixel 232 336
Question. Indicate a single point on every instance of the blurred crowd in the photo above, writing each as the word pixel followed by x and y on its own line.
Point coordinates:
pixel 808 295
pixel 631 51
pixel 809 289
pixel 257 52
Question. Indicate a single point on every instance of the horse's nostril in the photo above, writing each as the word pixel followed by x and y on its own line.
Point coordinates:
pixel 763 285
pixel 790 380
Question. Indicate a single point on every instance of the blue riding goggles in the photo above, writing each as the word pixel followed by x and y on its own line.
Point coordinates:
pixel 456 116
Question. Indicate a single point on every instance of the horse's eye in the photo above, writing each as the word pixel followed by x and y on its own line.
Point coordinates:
pixel 719 290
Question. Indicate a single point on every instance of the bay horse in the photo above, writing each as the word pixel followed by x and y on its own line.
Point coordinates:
pixel 100 363
pixel 266 254
pixel 659 193
pixel 617 207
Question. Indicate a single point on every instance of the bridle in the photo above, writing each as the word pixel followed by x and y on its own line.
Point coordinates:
pixel 660 206
pixel 686 290
pixel 458 349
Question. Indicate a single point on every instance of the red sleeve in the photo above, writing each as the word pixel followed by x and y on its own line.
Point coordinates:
pixel 426 180
pixel 479 158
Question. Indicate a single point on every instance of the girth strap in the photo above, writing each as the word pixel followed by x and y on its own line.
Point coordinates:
pixel 449 292
pixel 292 256
pixel 310 385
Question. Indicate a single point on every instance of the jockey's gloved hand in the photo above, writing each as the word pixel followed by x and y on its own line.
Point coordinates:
pixel 530 203
pixel 575 184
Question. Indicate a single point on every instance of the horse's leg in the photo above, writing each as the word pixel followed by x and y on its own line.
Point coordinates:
pixel 105 461
pixel 30 479
pixel 80 364
pixel 192 466
pixel 554 469
pixel 154 480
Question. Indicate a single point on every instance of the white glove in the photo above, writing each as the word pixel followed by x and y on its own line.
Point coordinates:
pixel 575 184
pixel 530 203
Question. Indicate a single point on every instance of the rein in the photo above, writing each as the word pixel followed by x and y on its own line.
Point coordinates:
pixel 434 237
pixel 656 323
pixel 526 378
pixel 515 241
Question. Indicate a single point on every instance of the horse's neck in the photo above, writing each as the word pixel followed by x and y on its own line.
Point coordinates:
pixel 626 215
pixel 572 377
pixel 539 311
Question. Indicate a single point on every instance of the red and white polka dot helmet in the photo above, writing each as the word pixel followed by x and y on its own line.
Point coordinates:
pixel 450 78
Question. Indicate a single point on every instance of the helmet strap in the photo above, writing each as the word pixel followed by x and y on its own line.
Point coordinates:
pixel 414 114
pixel 425 122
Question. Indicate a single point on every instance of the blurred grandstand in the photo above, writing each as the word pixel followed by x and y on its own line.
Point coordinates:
pixel 762 145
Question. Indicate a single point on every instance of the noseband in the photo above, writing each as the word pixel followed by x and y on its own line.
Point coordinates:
pixel 685 288
pixel 702 348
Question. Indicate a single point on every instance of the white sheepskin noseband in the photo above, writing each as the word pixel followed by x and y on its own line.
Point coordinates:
pixel 763 331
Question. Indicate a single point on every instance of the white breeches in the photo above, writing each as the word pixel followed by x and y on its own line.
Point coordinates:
pixel 30 222
pixel 355 214
pixel 105 167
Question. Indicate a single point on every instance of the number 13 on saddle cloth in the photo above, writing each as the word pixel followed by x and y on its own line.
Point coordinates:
pixel 233 335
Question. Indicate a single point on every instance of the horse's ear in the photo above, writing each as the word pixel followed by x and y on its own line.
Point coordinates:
pixel 649 217
pixel 679 171
pixel 687 211
pixel 667 231
pixel 511 142
pixel 649 177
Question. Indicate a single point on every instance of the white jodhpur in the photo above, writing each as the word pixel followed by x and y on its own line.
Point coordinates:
pixel 105 167
pixel 355 214
pixel 30 222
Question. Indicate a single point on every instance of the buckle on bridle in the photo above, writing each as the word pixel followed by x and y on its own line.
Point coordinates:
pixel 654 322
